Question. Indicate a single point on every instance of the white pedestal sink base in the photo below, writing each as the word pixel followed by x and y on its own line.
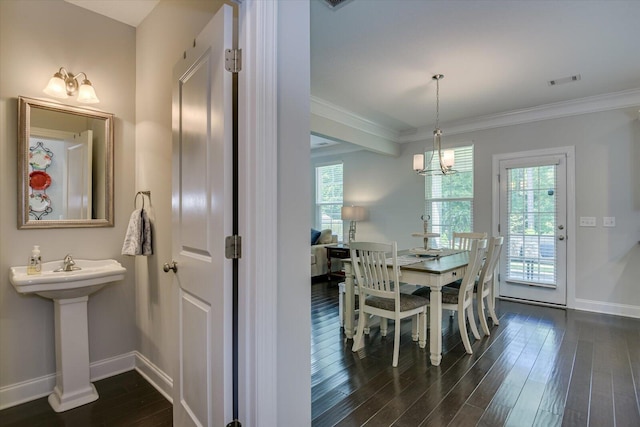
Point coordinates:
pixel 73 386
pixel 61 403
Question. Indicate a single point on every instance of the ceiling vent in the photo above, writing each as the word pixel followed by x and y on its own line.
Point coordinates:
pixel 570 79
pixel 336 4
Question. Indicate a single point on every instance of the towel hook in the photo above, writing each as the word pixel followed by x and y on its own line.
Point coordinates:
pixel 142 193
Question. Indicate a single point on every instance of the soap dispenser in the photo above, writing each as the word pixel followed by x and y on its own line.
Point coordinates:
pixel 35 262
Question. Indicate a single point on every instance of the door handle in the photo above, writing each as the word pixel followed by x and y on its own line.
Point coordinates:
pixel 560 237
pixel 170 266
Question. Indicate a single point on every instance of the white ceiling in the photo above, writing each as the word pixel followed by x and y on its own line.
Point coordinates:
pixel 375 59
pixel 130 12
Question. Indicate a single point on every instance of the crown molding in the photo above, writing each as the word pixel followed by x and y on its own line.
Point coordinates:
pixel 592 104
pixel 330 111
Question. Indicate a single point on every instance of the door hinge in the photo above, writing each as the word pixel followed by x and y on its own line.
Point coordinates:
pixel 233 247
pixel 233 60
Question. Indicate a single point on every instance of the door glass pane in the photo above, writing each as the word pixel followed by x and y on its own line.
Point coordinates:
pixel 531 224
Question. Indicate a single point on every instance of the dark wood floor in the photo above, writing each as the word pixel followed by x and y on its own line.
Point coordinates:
pixel 540 367
pixel 125 400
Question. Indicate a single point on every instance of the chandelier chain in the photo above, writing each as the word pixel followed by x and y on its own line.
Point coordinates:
pixel 437 103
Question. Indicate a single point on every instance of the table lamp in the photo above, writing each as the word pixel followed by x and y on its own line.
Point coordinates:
pixel 353 214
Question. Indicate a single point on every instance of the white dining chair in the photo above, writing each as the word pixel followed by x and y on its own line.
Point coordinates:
pixel 484 287
pixel 461 300
pixel 463 240
pixel 379 294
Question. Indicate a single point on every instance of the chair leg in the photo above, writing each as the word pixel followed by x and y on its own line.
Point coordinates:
pixel 365 319
pixel 358 339
pixel 415 328
pixel 341 305
pixel 396 342
pixel 472 321
pixel 462 325
pixel 383 326
pixel 482 315
pixel 491 305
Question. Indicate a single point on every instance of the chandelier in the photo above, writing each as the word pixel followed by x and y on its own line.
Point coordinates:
pixel 446 159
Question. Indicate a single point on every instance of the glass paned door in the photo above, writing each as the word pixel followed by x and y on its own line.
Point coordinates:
pixel 533 219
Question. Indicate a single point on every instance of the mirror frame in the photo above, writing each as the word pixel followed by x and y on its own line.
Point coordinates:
pixel 24 133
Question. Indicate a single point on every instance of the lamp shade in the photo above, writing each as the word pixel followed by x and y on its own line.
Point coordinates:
pixel 418 162
pixel 353 213
pixel 448 158
pixel 56 87
pixel 87 94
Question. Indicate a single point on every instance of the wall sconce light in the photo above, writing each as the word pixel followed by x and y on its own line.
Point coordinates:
pixel 353 214
pixel 63 84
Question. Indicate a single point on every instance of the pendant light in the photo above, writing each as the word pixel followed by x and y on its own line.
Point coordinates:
pixel 446 159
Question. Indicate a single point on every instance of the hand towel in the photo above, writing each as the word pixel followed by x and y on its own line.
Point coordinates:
pixel 137 240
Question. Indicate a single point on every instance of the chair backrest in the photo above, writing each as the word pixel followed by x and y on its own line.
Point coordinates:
pixel 476 258
pixel 493 255
pixel 463 240
pixel 369 262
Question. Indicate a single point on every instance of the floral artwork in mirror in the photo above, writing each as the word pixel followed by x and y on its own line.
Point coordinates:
pixel 65 166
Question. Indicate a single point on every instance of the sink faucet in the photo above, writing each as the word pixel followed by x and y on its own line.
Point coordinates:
pixel 68 263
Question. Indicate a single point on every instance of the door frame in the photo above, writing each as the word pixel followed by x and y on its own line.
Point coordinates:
pixel 258 189
pixel 569 151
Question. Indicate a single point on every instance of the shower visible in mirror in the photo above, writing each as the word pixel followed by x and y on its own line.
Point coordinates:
pixel 65 166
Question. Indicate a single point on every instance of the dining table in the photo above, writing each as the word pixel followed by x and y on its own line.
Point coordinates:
pixel 435 271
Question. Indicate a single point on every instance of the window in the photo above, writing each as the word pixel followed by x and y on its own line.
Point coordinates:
pixel 329 198
pixel 449 198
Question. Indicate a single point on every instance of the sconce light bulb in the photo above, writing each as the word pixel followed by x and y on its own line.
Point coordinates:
pixel 57 87
pixel 87 94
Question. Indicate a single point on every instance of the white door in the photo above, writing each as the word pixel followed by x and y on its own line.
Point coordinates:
pixel 202 215
pixel 533 220
pixel 77 191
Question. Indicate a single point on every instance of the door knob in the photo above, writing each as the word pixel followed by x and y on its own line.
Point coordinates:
pixel 170 266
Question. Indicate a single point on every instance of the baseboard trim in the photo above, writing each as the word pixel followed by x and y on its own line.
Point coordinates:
pixel 530 302
pixel 614 309
pixel 155 376
pixel 26 391
pixel 608 308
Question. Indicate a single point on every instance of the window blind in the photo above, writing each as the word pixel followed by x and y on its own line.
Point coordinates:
pixel 329 197
pixel 449 198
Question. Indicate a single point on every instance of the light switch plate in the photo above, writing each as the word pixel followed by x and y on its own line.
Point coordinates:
pixel 587 221
pixel 609 221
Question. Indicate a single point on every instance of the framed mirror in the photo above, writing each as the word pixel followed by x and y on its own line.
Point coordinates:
pixel 65 166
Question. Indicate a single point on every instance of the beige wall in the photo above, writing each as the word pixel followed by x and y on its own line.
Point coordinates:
pixel 132 72
pixel 36 39
pixel 158 50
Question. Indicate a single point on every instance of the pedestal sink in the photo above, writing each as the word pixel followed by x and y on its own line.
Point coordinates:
pixel 70 292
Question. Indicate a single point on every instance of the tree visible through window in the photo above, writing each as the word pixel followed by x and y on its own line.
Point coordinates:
pixel 329 198
pixel 449 198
